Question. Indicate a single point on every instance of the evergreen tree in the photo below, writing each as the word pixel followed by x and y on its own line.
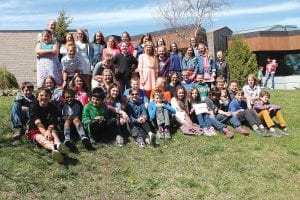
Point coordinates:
pixel 63 22
pixel 241 60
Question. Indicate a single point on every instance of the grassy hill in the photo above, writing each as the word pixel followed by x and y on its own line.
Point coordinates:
pixel 185 167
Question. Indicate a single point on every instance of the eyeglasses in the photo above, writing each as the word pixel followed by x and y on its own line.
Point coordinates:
pixel 134 94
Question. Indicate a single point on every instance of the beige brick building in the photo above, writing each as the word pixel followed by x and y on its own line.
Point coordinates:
pixel 17 53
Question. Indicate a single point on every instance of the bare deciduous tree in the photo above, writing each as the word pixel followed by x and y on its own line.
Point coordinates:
pixel 194 13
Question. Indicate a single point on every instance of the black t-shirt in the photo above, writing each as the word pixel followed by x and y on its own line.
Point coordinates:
pixel 48 115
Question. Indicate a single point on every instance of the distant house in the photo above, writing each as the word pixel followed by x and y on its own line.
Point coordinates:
pixel 217 39
pixel 170 35
pixel 281 43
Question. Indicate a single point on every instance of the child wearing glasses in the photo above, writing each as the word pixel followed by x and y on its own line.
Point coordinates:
pixel 137 113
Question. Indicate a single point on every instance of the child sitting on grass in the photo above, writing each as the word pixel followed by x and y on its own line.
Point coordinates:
pixel 266 111
pixel 20 109
pixel 199 109
pixel 159 109
pixel 161 85
pixel 137 113
pixel 135 84
pixel 72 112
pixel 95 118
pixel 218 115
pixel 43 125
pixel 238 107
pixel 179 103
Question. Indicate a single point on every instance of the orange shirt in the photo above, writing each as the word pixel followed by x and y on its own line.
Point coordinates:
pixel 167 95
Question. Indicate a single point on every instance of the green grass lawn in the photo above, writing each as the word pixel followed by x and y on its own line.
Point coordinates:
pixel 186 167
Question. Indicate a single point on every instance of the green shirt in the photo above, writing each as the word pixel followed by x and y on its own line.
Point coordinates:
pixel 90 112
pixel 203 90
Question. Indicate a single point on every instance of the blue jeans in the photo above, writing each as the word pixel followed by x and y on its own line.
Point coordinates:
pixel 268 76
pixel 233 120
pixel 204 120
pixel 18 116
pixel 216 123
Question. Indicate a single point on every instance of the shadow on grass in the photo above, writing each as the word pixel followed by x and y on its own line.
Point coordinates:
pixel 70 161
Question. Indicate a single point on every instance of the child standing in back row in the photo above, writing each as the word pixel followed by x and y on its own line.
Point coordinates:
pixel 71 64
pixel 266 111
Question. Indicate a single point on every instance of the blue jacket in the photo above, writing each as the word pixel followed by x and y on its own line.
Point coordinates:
pixel 134 110
pixel 199 66
pixel 235 105
pixel 152 109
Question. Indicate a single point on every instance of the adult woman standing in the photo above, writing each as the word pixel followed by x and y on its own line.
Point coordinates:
pixel 83 50
pixel 148 68
pixel 47 59
pixel 68 39
pixel 125 37
pixel 112 48
pixel 139 48
pixel 97 47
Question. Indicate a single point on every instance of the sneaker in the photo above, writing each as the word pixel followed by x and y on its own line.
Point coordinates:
pixel 206 132
pixel 19 134
pixel 262 132
pixel 140 142
pixel 56 156
pixel 212 131
pixel 160 135
pixel 242 131
pixel 86 143
pixel 275 133
pixel 151 138
pixel 63 149
pixel 119 141
pixel 227 133
pixel 70 145
pixel 285 131
pixel 167 135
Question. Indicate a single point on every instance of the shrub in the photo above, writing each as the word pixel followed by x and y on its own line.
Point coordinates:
pixel 7 80
pixel 241 60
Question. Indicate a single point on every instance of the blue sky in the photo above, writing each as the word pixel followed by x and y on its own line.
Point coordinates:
pixel 136 17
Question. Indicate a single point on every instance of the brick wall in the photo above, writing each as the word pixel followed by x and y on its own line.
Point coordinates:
pixel 17 54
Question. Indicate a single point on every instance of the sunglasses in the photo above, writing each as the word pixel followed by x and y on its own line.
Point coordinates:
pixel 134 94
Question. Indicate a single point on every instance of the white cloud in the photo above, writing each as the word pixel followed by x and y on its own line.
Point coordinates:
pixel 9 4
pixel 275 8
pixel 114 17
pixel 25 20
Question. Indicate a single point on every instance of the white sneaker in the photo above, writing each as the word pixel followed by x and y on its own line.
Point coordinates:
pixel 206 132
pixel 57 156
pixel 63 149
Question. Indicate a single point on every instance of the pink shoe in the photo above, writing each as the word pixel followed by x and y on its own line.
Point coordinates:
pixel 227 133
pixel 242 131
pixel 212 131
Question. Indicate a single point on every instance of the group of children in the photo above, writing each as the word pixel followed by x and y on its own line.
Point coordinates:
pixel 108 115
pixel 141 91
